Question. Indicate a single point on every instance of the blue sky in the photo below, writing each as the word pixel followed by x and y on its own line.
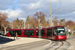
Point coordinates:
pixel 22 8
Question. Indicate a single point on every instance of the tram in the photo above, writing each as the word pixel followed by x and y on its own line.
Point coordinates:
pixel 54 33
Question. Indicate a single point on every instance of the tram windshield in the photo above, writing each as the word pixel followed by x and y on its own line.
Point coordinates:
pixel 59 31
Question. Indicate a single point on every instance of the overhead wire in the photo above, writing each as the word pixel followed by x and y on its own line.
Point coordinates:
pixel 58 7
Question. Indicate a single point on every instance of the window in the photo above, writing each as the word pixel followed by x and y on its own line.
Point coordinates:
pixel 25 33
pixel 28 31
pixel 59 31
pixel 31 32
pixel 11 33
pixel 42 32
pixel 37 32
pixel 49 32
pixel 16 31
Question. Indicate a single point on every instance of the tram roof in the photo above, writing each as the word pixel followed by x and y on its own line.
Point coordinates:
pixel 37 28
pixel 54 26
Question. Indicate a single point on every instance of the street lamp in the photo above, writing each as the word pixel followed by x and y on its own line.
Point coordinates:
pixel 51 14
pixel 40 27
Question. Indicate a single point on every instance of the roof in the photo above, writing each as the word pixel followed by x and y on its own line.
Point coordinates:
pixel 37 28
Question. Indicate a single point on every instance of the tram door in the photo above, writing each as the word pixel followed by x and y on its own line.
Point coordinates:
pixel 49 33
pixel 41 33
pixel 29 33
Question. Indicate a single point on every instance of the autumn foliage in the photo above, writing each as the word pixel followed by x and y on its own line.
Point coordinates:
pixel 38 19
pixel 33 22
pixel 3 22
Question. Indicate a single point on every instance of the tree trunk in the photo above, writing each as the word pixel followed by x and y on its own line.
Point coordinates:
pixel 5 30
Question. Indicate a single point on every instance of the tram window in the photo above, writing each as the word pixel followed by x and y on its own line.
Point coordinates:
pixel 42 32
pixel 28 31
pixel 18 32
pixel 49 32
pixel 31 32
pixel 11 33
pixel 37 32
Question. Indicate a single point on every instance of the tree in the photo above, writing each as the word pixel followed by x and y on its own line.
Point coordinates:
pixel 41 16
pixel 4 23
pixel 56 21
pixel 33 21
pixel 62 20
pixel 17 24
pixel 43 21
pixel 70 24
pixel 27 22
pixel 27 18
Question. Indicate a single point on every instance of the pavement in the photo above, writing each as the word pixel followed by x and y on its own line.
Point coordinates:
pixel 9 41
pixel 22 43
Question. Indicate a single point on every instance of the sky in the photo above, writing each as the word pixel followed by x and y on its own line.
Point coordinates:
pixel 23 8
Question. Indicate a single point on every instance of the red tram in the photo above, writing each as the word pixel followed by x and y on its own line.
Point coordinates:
pixel 55 33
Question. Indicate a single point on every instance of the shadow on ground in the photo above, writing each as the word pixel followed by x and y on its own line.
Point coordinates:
pixel 4 40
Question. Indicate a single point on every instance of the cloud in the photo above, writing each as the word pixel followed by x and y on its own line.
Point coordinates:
pixel 22 8
pixel 21 18
pixel 55 0
pixel 34 6
pixel 27 1
pixel 12 13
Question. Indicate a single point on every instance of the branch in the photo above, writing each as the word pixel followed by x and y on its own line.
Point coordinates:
pixel 2 25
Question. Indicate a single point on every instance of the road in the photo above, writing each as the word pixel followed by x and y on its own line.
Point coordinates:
pixel 45 45
pixel 28 46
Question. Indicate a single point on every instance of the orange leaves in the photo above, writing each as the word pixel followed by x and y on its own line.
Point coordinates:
pixel 34 20
pixel 18 24
pixel 71 24
pixel 3 18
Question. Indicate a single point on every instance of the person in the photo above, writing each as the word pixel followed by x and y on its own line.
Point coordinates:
pixel 16 35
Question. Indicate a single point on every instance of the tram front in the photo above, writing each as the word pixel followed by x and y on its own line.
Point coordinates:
pixel 60 33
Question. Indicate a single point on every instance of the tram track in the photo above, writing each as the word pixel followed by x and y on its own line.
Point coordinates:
pixel 50 42
pixel 60 45
pixel 56 43
pixel 67 46
pixel 63 46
